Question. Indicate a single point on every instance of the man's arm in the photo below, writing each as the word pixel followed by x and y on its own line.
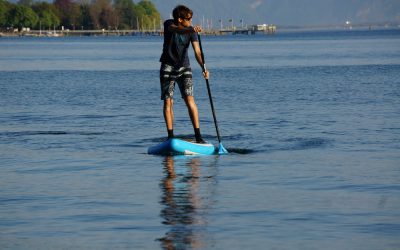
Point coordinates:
pixel 183 30
pixel 197 54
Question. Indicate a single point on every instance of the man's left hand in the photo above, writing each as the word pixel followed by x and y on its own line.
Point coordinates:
pixel 206 74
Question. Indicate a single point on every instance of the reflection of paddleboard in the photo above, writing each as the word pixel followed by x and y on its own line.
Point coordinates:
pixel 177 146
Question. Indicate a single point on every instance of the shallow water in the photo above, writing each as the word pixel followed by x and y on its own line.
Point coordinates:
pixel 311 120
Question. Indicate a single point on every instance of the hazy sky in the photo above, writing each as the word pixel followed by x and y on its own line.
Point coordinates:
pixel 289 12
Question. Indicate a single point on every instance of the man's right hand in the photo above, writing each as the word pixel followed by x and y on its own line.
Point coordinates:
pixel 197 28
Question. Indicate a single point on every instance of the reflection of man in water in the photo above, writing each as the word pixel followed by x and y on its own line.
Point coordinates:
pixel 181 201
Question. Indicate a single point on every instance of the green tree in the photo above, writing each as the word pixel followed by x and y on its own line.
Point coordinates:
pixel 85 21
pixel 25 2
pixel 125 12
pixel 148 15
pixel 47 15
pixel 102 14
pixel 140 14
pixel 88 14
pixel 4 9
pixel 22 16
pixel 150 9
pixel 69 12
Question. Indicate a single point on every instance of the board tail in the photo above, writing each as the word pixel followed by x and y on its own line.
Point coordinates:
pixel 222 150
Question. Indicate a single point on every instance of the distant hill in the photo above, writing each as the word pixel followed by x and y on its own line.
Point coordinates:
pixel 288 12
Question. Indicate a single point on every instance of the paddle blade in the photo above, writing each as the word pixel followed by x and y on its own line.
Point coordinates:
pixel 222 150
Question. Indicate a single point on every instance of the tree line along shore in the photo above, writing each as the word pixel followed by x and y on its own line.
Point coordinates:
pixel 69 16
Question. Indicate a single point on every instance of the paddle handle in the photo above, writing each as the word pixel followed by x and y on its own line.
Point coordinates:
pixel 209 90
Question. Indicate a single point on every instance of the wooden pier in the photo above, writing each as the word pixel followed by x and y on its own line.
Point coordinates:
pixel 252 30
pixel 63 33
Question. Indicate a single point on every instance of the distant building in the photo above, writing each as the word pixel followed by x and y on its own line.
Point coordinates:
pixel 267 28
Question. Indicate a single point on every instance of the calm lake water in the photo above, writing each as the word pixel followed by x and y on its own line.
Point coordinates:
pixel 312 120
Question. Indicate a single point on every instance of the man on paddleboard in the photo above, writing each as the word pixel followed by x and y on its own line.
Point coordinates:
pixel 175 66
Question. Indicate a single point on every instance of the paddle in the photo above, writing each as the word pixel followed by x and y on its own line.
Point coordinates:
pixel 221 149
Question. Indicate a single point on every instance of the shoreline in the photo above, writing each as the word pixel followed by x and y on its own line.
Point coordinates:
pixel 226 32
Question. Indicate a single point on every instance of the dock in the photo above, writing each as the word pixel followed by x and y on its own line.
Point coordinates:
pixel 102 32
pixel 251 30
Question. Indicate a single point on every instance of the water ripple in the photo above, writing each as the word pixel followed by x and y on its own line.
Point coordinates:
pixel 33 133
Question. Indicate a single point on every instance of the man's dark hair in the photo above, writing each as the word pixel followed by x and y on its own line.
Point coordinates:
pixel 181 11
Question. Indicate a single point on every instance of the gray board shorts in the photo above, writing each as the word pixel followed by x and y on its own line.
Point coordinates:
pixel 169 75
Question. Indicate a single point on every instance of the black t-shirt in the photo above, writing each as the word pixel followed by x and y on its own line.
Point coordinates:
pixel 175 48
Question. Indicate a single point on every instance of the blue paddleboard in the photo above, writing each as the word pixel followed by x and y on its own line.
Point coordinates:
pixel 177 146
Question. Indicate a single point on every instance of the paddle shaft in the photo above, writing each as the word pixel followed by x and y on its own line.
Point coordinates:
pixel 209 91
